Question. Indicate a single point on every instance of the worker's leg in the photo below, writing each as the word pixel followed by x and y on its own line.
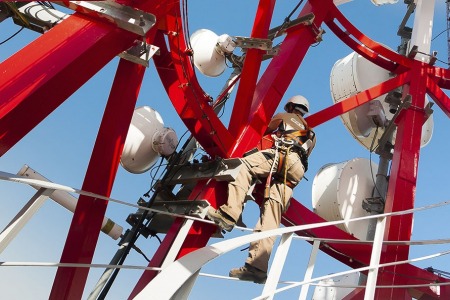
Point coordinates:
pixel 256 265
pixel 255 165
pixel 259 252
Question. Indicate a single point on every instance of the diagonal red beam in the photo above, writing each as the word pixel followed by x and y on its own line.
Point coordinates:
pixel 439 97
pixel 403 179
pixel 298 214
pixel 357 100
pixel 441 76
pixel 242 109
pixel 41 76
pixel 86 223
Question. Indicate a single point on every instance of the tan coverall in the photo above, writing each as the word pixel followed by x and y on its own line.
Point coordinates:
pixel 258 165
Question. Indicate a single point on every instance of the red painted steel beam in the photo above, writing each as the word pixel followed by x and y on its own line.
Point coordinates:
pixel 441 76
pixel 35 81
pixel 439 97
pixel 41 76
pixel 357 100
pixel 86 223
pixel 242 112
pixel 403 179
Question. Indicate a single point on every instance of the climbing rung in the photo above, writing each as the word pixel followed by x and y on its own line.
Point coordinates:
pixel 224 170
pixel 161 223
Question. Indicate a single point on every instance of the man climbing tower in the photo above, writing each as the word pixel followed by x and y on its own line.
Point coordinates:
pixel 281 167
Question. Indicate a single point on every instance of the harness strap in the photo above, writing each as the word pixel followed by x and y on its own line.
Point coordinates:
pixel 281 161
pixel 286 182
pixel 300 136
pixel 297 133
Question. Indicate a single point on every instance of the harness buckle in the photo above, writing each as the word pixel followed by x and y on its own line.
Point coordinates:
pixel 283 144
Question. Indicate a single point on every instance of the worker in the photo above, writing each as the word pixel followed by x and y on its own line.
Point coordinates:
pixel 281 168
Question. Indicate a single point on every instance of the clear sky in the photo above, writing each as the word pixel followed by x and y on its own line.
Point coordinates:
pixel 60 148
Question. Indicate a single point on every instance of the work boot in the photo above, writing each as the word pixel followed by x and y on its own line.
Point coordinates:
pixel 221 219
pixel 249 273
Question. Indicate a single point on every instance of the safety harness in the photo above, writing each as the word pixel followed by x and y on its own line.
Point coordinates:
pixel 283 149
pixel 290 141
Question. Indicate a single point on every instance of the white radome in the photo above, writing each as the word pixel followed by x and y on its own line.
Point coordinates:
pixel 206 57
pixel 146 141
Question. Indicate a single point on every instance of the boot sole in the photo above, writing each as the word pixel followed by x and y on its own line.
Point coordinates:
pixel 219 222
pixel 249 278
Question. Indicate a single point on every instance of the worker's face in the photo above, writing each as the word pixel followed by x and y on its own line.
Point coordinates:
pixel 291 109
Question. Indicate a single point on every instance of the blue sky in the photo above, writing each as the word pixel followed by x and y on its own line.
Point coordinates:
pixel 60 148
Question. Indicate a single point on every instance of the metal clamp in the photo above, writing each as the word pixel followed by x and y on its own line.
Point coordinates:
pixel 252 43
pixel 124 17
pixel 373 204
pixel 141 53
pixel 280 30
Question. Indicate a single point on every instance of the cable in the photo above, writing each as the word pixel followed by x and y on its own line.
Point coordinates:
pixel 46 3
pixel 153 177
pixel 295 8
pixel 181 54
pixel 158 238
pixel 135 231
pixel 138 250
pixel 433 57
pixel 445 30
pixel 438 272
pixel 287 19
pixel 2 42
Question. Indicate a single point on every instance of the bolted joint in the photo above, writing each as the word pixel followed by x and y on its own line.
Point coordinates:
pixel 125 17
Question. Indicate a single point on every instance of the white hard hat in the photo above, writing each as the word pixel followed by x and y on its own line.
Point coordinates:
pixel 300 103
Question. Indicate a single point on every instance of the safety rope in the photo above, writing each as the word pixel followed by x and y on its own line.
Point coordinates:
pixel 285 174
pixel 269 177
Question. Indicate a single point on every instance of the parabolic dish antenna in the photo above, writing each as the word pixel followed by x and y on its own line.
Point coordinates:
pixel 338 192
pixel 353 74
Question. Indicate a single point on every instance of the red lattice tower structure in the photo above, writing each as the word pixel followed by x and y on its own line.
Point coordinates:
pixel 73 47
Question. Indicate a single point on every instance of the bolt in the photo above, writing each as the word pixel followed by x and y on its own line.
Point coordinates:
pixel 141 20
